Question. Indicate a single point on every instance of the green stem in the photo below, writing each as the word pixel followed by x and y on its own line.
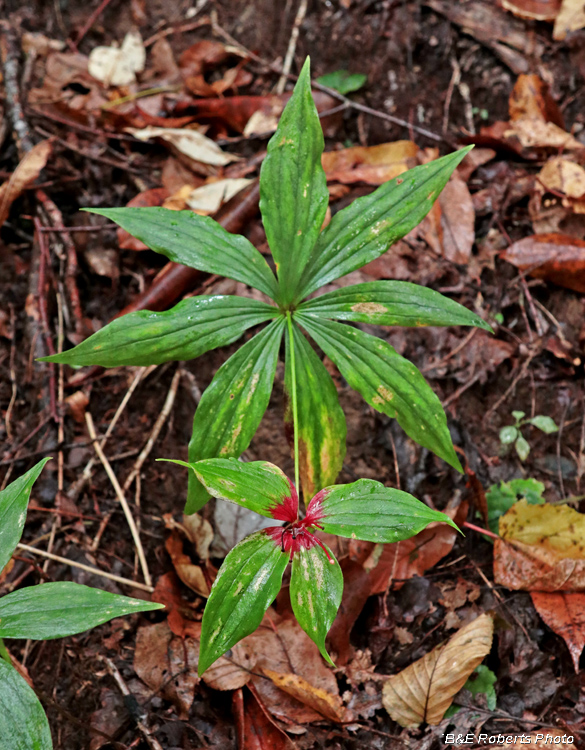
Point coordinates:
pixel 4 652
pixel 294 399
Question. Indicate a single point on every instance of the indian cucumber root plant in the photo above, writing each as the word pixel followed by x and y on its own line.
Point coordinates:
pixel 293 203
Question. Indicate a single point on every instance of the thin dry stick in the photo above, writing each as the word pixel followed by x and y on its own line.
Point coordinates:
pixel 121 498
pixel 512 386
pixel 113 670
pixel 158 425
pixel 88 568
pixel 292 45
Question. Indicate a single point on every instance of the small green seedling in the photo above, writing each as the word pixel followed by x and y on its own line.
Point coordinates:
pixel 343 81
pixel 251 574
pixel 293 202
pixel 513 434
pixel 501 497
pixel 481 682
pixel 50 610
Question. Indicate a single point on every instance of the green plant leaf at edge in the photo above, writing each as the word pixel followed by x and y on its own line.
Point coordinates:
pixel 256 485
pixel 316 587
pixel 186 331
pixel 321 422
pixel 387 381
pixel 23 723
pixel 293 187
pixel 56 610
pixel 501 497
pixel 13 504
pixel 233 405
pixel 392 303
pixel 369 511
pixel 365 229
pixel 545 424
pixel 343 81
pixel 246 585
pixel 196 241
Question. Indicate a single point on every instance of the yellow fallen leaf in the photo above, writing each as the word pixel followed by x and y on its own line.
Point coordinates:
pixel 328 705
pixel 571 17
pixel 424 691
pixel 563 175
pixel 542 548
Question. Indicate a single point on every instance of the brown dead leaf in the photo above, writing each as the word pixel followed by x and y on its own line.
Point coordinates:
pixel 168 664
pixel 571 17
pixel 542 548
pixel 537 10
pixel 191 143
pixel 192 575
pixel 424 691
pixel 25 173
pixel 180 614
pixel 281 645
pixel 531 98
pixel 328 705
pixel 356 591
pixel 554 257
pixel 76 405
pixel 474 159
pixel 565 614
pixel 256 730
pixel 563 175
pixel 457 221
pixel 233 671
pixel 200 533
pixel 373 165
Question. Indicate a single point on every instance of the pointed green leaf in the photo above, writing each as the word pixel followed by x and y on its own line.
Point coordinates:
pixel 196 241
pixel 231 408
pixel 367 510
pixel 246 585
pixel 189 329
pixel 387 381
pixel 321 421
pixel 392 303
pixel 508 434
pixel 258 485
pixel 316 586
pixel 13 503
pixel 546 424
pixel 55 610
pixel 23 723
pixel 364 230
pixel 293 187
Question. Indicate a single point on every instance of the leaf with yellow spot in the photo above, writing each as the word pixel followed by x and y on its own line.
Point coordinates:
pixel 233 405
pixel 321 421
pixel 316 586
pixel 369 511
pixel 387 381
pixel 246 585
pixel 392 303
pixel 328 705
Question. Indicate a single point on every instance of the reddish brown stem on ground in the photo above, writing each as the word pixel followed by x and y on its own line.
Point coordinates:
pixel 487 532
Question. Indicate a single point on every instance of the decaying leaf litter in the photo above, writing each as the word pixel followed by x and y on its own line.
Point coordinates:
pixel 504 239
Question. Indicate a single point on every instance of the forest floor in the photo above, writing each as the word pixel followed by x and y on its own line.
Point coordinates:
pixel 439 75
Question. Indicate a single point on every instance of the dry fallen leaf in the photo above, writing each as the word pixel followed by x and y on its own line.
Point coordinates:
pixel 558 258
pixel 208 198
pixel 571 17
pixel 537 10
pixel 117 66
pixel 542 548
pixel 565 614
pixel 328 705
pixel 232 671
pixel 256 730
pixel 191 574
pixel 373 165
pixel 26 172
pixel 191 143
pixel 564 176
pixel 424 691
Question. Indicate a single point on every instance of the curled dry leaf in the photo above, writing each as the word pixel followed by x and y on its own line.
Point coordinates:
pixel 192 575
pixel 565 614
pixel 117 66
pixel 25 173
pixel 424 691
pixel 571 17
pixel 373 165
pixel 328 705
pixel 554 257
pixel 191 143
pixel 208 199
pixel 542 548
pixel 200 533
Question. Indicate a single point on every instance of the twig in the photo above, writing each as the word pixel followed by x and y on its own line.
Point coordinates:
pixel 292 45
pixel 513 385
pixel 90 22
pixel 158 425
pixel 113 670
pixel 121 497
pixel 87 568
pixel 10 47
pixel 12 369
